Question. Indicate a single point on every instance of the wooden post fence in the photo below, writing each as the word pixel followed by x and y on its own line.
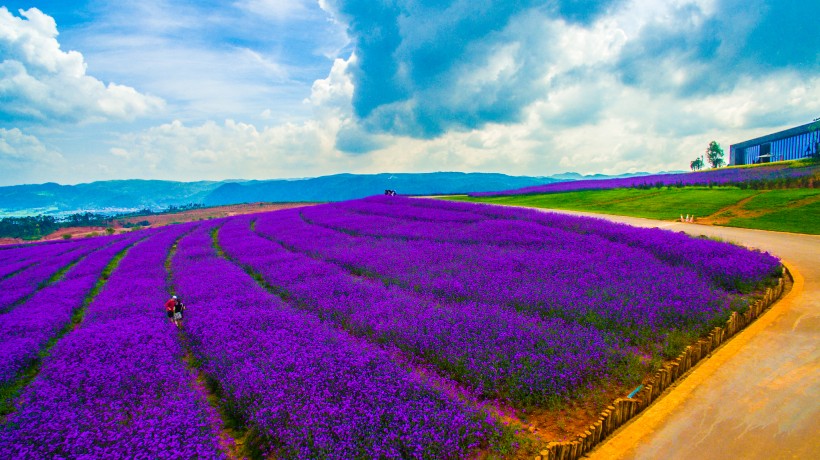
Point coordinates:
pixel 623 409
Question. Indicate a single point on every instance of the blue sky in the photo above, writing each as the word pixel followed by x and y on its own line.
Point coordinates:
pixel 256 89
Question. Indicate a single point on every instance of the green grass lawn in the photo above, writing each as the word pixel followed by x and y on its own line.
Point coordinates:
pixel 778 209
pixel 805 219
pixel 778 199
pixel 664 204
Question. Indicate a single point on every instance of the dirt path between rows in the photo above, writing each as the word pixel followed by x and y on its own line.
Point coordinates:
pixel 758 397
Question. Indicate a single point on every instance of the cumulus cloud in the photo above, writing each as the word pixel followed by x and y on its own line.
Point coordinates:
pixel 40 82
pixel 23 157
pixel 622 86
pixel 229 150
pixel 20 147
pixel 424 68
pixel 705 47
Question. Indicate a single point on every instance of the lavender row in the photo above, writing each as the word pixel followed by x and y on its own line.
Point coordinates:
pixel 389 219
pixel 589 280
pixel 11 268
pixel 116 386
pixel 724 176
pixel 25 282
pixel 309 390
pixel 728 266
pixel 22 252
pixel 25 331
pixel 498 352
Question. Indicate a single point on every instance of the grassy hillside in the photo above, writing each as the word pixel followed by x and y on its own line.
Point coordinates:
pixel 790 210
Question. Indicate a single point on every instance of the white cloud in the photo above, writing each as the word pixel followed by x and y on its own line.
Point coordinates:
pixel 230 150
pixel 14 145
pixel 279 10
pixel 40 82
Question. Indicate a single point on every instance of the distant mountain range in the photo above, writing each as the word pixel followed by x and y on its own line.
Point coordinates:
pixel 119 196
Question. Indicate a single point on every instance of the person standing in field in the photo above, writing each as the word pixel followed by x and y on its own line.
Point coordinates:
pixel 173 308
pixel 178 307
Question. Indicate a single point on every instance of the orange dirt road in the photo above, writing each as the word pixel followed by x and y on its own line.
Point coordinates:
pixel 757 397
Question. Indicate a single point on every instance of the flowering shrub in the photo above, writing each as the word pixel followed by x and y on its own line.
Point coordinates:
pixel 639 284
pixel 727 266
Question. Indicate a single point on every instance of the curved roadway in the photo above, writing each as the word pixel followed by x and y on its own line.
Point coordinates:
pixel 757 397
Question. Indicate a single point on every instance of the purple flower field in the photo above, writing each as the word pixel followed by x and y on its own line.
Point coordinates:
pixel 721 176
pixel 24 331
pixel 315 327
pixel 28 278
pixel 310 389
pixel 116 386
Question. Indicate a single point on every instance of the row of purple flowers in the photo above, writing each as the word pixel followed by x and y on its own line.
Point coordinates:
pixel 25 331
pixel 116 386
pixel 640 284
pixel 585 279
pixel 499 225
pixel 28 277
pixel 722 176
pixel 22 252
pixel 307 389
pixel 497 352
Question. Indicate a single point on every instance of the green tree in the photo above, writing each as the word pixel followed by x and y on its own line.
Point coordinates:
pixel 714 155
pixel 696 164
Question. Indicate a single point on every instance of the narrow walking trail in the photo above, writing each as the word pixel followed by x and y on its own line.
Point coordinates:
pixel 758 397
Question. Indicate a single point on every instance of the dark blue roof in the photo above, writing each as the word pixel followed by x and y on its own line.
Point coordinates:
pixel 791 132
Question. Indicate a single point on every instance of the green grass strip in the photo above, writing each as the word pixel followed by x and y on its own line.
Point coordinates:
pixel 663 204
pixel 803 219
pixel 774 200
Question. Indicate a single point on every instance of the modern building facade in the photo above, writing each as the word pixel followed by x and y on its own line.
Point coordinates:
pixel 791 144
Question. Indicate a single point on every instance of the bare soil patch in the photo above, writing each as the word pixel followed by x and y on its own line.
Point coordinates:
pixel 211 213
pixel 159 220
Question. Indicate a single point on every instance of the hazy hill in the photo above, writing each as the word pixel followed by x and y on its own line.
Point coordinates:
pixel 341 187
pixel 128 195
pixel 125 195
